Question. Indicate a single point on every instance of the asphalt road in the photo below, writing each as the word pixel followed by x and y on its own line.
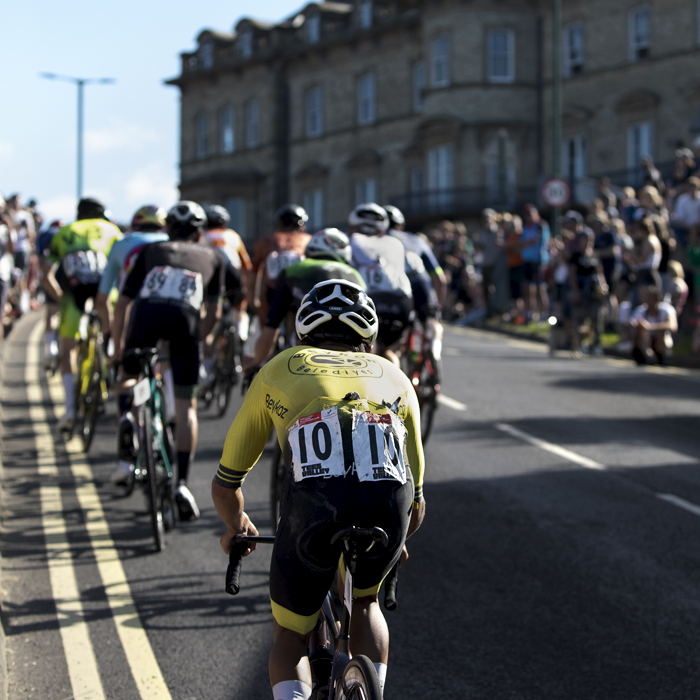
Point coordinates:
pixel 559 556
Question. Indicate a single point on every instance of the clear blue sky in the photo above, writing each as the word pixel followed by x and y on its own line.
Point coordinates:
pixel 131 128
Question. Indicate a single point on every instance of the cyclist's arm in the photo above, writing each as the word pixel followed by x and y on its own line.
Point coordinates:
pixel 414 447
pixel 132 284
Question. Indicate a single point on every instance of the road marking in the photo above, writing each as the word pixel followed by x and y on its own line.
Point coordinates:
pixel 680 502
pixel 139 654
pixel 451 403
pixel 80 655
pixel 551 447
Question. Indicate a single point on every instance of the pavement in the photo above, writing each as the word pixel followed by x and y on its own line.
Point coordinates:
pixel 558 559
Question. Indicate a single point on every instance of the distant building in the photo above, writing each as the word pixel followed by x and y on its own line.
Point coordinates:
pixel 441 107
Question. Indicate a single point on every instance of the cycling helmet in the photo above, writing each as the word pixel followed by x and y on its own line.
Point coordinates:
pixel 329 242
pixel 369 219
pixel 90 208
pixel 338 311
pixel 291 216
pixel 148 216
pixel 217 216
pixel 185 219
pixel 396 218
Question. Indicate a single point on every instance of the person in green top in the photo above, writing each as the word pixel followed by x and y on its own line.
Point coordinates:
pixel 78 255
pixel 328 256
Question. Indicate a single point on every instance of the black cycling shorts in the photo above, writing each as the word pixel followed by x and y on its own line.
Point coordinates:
pixel 394 313
pixel 153 321
pixel 303 560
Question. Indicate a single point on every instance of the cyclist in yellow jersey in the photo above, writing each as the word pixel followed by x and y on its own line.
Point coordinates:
pixel 349 426
pixel 80 251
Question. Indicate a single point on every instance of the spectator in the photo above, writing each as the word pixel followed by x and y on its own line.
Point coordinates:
pixel 6 259
pixel 489 244
pixel 687 210
pixel 652 202
pixel 512 233
pixel 628 205
pixel 654 323
pixel 678 289
pixel 605 194
pixel 652 176
pixel 646 256
pixel 535 258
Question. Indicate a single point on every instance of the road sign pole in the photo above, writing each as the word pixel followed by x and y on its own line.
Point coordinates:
pixel 556 104
pixel 79 171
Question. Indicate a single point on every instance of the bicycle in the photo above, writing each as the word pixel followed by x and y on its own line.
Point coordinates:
pixel 154 459
pixel 90 382
pixel 420 366
pixel 343 678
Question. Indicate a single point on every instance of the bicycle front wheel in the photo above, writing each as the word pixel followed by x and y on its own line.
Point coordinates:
pixel 359 681
pixel 154 510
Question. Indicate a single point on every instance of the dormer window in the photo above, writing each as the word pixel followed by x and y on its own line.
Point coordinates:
pixel 245 44
pixel 206 55
pixel 313 29
pixel 364 10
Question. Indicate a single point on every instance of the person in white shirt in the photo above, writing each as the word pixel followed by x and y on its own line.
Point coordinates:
pixel 7 241
pixel 654 323
pixel 687 210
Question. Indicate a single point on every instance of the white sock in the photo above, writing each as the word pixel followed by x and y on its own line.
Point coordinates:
pixel 68 388
pixel 381 674
pixel 291 690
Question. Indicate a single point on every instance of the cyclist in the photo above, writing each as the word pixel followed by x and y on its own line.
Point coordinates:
pixel 381 260
pixel 80 251
pixel 43 244
pixel 170 283
pixel 349 425
pixel 147 226
pixel 7 239
pixel 327 256
pixel 274 252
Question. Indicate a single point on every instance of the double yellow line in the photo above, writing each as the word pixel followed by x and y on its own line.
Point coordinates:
pixel 80 656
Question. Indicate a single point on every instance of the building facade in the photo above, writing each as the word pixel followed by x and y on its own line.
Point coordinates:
pixel 441 107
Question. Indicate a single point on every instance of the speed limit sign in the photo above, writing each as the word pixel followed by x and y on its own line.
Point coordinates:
pixel 556 192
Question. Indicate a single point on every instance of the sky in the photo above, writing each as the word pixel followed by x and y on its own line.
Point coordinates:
pixel 131 130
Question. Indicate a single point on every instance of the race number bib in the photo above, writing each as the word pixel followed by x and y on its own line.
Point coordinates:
pixel 317 446
pixel 173 284
pixel 278 261
pixel 379 278
pixel 84 266
pixel 377 443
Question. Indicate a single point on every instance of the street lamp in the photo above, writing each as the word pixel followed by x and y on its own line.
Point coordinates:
pixel 80 82
pixel 556 103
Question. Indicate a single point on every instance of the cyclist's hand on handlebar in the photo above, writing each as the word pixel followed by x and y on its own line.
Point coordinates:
pixel 244 526
pixel 417 515
pixel 404 556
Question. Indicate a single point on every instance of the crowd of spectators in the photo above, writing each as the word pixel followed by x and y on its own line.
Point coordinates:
pixel 626 265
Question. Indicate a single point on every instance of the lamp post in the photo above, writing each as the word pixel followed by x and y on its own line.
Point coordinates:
pixel 80 82
pixel 556 103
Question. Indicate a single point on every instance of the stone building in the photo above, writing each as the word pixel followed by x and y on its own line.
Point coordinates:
pixel 439 106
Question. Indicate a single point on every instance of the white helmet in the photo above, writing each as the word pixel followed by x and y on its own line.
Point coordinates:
pixel 329 242
pixel 339 311
pixel 369 219
pixel 184 219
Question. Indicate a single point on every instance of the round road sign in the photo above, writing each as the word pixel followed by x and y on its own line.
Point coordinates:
pixel 556 192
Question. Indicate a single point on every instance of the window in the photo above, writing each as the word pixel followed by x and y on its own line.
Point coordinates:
pixel 206 54
pixel 236 210
pixel 573 158
pixel 313 29
pixel 313 203
pixel 227 141
pixel 202 136
pixel 639 21
pixel 366 99
pixel 441 176
pixel 364 17
pixel 365 191
pixel 418 85
pixel 440 61
pixel 417 180
pixel 573 49
pixel 640 143
pixel 252 124
pixel 245 44
pixel 314 115
pixel 501 56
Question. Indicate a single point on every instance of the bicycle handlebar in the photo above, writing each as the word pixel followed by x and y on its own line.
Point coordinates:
pixel 391 588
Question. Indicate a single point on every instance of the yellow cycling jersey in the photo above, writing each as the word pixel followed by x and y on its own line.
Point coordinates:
pixel 305 386
pixel 85 234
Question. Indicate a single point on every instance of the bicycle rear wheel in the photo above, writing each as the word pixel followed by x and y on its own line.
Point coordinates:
pixel 154 505
pixel 276 477
pixel 359 681
pixel 92 400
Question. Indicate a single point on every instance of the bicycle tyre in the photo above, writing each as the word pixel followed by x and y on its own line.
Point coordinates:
pixel 154 509
pixel 92 400
pixel 276 477
pixel 360 681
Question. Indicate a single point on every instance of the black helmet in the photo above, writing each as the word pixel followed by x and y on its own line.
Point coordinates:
pixel 90 208
pixel 217 216
pixel 396 218
pixel 185 219
pixel 291 216
pixel 339 311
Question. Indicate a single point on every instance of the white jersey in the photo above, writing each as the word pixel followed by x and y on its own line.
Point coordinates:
pixel 381 261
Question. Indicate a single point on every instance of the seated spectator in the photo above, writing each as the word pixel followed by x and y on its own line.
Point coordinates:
pixel 654 323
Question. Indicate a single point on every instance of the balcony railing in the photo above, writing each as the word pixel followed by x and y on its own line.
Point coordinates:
pixel 462 200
